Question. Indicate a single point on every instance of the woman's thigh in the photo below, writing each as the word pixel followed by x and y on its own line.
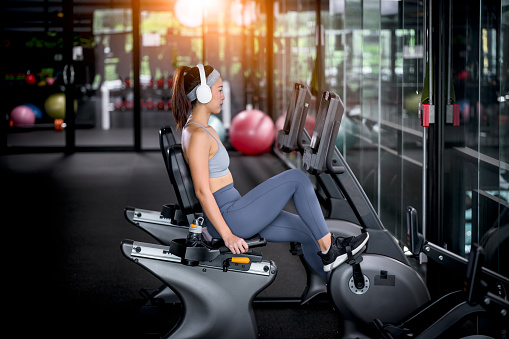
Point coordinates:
pixel 260 206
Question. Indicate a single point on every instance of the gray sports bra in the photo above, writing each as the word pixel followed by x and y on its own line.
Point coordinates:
pixel 219 163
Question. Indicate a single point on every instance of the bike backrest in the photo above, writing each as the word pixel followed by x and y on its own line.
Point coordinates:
pixel 178 171
pixel 167 138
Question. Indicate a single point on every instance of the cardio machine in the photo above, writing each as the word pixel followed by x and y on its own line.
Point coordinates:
pixel 482 293
pixel 218 288
pixel 381 281
pixel 484 290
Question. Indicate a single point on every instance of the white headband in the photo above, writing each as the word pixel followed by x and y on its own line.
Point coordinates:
pixel 211 79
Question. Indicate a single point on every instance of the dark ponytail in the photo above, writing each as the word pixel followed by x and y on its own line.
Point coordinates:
pixel 179 102
pixel 184 80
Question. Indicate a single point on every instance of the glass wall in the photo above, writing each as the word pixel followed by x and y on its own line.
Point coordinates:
pixel 295 30
pixel 475 153
pixel 378 49
pixel 86 50
pixel 31 83
pixel 61 61
pixel 109 101
pixel 376 55
pixel 165 44
pixel 228 35
pixel 373 59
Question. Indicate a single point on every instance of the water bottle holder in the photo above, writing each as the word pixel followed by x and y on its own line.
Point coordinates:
pixel 192 255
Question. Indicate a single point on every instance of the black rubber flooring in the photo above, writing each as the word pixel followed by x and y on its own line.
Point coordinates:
pixel 63 273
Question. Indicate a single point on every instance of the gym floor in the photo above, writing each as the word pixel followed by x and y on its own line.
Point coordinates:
pixel 65 276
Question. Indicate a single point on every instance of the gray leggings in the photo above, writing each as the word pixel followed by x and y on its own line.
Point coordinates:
pixel 260 211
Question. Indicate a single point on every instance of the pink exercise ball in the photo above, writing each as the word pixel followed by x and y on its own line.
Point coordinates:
pixel 252 132
pixel 22 115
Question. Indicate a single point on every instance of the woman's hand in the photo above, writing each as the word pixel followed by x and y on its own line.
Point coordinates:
pixel 235 244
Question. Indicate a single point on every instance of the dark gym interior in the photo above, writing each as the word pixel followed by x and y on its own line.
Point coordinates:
pixel 86 88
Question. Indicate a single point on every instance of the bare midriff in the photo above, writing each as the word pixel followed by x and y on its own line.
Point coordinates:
pixel 220 182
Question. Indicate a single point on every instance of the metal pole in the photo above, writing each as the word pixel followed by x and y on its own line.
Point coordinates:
pixel 424 130
pixel 70 117
pixel 135 6
pixel 430 53
pixel 449 51
pixel 270 58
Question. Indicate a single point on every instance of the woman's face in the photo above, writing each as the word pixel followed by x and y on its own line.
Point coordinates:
pixel 216 103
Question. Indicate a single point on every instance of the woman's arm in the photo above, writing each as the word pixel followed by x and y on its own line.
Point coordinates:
pixel 198 151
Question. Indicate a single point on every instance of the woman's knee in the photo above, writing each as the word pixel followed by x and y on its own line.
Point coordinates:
pixel 297 175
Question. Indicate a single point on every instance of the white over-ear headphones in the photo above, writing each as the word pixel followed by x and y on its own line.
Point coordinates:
pixel 203 92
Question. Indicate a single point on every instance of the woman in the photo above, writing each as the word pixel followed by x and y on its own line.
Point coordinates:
pixel 233 217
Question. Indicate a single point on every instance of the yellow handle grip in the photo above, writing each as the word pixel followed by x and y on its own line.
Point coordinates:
pixel 240 260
